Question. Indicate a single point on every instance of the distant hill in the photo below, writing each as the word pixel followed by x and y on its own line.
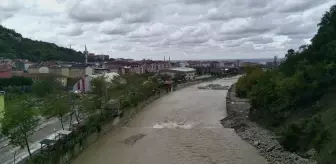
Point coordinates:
pixel 13 45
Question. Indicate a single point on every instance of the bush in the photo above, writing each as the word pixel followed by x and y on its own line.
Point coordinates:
pixel 245 83
pixel 304 135
pixel 16 81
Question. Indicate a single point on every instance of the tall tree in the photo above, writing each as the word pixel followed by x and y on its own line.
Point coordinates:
pixel 19 123
pixel 46 86
pixel 99 87
pixel 59 108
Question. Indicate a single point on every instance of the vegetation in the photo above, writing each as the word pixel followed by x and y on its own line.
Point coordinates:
pixel 15 81
pixel 294 99
pixel 90 110
pixel 58 108
pixel 45 87
pixel 13 45
pixel 19 122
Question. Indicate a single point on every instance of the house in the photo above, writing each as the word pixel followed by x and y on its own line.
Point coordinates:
pixel 80 70
pixel 59 70
pixel 227 64
pixel 34 69
pixel 22 64
pixel 84 83
pixel 188 72
pixel 5 71
pixel 116 69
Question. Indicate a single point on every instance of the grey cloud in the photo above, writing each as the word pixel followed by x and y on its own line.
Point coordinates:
pixel 296 28
pixel 141 17
pixel 149 30
pixel 8 8
pixel 104 38
pixel 75 32
pixel 115 28
pixel 260 40
pixel 300 5
pixel 200 1
pixel 205 28
pixel 4 16
pixel 189 35
pixel 72 30
pixel 251 26
pixel 10 5
pixel 121 47
pixel 257 40
pixel 293 43
pixel 226 10
pixel 133 11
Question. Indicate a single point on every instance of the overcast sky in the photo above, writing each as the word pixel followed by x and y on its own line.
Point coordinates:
pixel 182 29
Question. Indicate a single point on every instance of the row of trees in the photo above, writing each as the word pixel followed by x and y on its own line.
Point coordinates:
pixel 287 99
pixel 49 100
pixel 15 81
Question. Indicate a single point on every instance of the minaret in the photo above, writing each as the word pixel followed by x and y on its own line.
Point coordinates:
pixel 164 58
pixel 86 55
pixel 169 58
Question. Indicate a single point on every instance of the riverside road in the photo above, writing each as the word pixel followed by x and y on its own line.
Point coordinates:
pixel 182 127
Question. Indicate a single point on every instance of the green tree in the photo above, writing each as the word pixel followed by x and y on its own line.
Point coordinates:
pixel 59 108
pixel 99 88
pixel 47 86
pixel 19 123
pixel 87 105
pixel 288 94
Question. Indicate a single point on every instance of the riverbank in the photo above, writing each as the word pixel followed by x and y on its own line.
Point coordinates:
pixel 181 127
pixel 262 139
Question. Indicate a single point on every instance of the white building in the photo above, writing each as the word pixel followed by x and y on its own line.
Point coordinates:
pixel 188 72
pixel 84 84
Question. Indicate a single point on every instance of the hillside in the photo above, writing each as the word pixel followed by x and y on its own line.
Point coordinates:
pixel 296 100
pixel 13 45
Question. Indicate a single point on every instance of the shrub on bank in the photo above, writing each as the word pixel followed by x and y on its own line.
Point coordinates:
pixel 287 97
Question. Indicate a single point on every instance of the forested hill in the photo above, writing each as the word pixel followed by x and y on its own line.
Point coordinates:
pixel 13 45
pixel 297 100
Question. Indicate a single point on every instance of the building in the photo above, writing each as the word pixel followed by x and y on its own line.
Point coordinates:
pixel 84 84
pixel 226 64
pixel 21 64
pixel 188 72
pixel 80 70
pixel 34 69
pixel 59 70
pixel 5 71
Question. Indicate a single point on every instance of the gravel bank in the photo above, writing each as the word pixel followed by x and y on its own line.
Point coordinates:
pixel 264 140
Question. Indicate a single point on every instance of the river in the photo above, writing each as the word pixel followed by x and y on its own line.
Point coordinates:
pixel 182 127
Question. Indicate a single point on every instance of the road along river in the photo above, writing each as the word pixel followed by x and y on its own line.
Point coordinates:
pixel 182 127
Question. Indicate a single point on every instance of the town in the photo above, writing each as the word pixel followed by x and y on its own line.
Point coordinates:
pixel 77 77
pixel 70 74
pixel 167 82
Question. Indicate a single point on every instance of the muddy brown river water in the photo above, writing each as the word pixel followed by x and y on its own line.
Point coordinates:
pixel 180 128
